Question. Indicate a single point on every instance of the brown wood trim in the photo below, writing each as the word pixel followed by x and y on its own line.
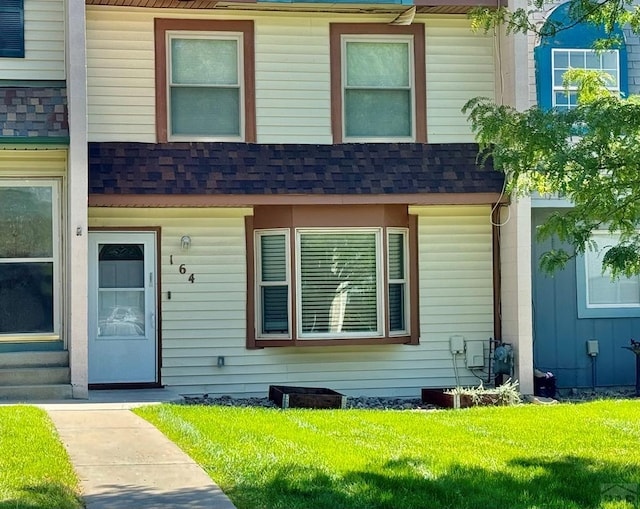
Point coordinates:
pixel 161 79
pixel 159 300
pixel 248 200
pixel 310 216
pixel 414 281
pixel 497 274
pixel 336 30
pixel 211 4
pixel 158 231
pixel 394 340
pixel 162 25
pixel 249 259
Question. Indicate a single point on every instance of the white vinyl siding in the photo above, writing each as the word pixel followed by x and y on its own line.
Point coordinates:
pixel 207 319
pixel 292 73
pixel 460 66
pixel 44 32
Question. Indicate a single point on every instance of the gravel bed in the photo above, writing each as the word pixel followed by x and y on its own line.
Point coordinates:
pixel 383 403
pixel 359 402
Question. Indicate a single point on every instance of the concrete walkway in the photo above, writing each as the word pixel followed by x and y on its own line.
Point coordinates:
pixel 124 462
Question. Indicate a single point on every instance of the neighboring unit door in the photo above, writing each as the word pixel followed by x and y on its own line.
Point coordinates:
pixel 123 340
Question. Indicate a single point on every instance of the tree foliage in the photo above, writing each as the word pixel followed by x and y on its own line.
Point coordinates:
pixel 607 13
pixel 589 154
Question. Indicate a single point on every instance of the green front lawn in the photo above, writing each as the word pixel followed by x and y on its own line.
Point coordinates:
pixel 554 457
pixel 35 472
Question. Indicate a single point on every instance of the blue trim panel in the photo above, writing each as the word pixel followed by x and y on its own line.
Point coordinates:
pixel 12 31
pixel 560 337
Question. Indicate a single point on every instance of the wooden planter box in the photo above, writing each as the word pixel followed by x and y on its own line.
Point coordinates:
pixel 440 398
pixel 306 397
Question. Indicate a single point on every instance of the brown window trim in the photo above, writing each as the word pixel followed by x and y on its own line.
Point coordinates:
pixel 292 217
pixel 417 31
pixel 162 25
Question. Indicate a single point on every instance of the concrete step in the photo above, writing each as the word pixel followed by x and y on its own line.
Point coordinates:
pixel 35 376
pixel 31 359
pixel 35 392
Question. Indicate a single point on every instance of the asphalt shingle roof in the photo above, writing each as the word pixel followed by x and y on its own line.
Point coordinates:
pixel 268 169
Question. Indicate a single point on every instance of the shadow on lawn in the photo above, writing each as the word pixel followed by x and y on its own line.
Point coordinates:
pixel 46 495
pixel 568 482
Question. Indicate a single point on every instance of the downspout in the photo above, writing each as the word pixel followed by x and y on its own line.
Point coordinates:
pixel 497 285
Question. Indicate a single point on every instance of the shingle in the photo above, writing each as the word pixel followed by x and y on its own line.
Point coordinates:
pixel 241 169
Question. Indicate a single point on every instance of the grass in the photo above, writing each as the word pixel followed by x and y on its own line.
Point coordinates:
pixel 492 457
pixel 35 472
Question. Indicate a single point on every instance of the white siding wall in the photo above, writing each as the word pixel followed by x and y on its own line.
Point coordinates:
pixel 44 44
pixel 292 73
pixel 460 66
pixel 206 319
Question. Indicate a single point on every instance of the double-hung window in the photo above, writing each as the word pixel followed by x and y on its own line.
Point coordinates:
pixel 29 259
pixel 378 86
pixel 331 284
pixel 573 49
pixel 565 59
pixel 205 84
pixel 12 28
pixel 205 93
pixel 273 281
pixel 598 295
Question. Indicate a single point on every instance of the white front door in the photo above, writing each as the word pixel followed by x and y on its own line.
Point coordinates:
pixel 123 340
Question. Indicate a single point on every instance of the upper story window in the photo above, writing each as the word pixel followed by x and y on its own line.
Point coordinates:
pixel 573 49
pixel 378 83
pixel 598 295
pixel 565 59
pixel 204 80
pixel 12 28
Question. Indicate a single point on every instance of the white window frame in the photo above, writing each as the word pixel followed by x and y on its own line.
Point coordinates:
pixel 380 38
pixel 559 87
pixel 587 309
pixel 193 34
pixel 380 301
pixel 55 259
pixel 259 284
pixel 406 280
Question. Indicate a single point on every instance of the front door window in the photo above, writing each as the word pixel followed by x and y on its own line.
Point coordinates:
pixel 121 293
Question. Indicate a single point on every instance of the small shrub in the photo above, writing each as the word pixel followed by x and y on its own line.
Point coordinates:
pixel 506 394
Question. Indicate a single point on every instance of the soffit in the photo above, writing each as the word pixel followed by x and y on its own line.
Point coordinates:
pixel 423 6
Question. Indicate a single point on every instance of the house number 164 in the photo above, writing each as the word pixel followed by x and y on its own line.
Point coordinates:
pixel 182 269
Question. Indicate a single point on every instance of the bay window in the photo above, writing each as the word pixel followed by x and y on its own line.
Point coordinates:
pixel 329 285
